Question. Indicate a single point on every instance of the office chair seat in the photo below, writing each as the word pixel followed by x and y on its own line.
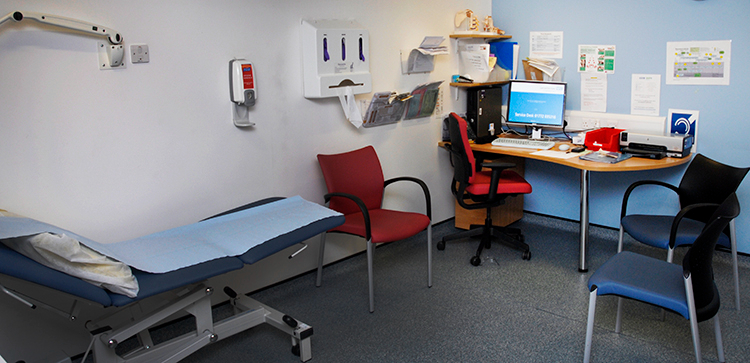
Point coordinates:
pixel 392 225
pixel 654 230
pixel 509 183
pixel 618 277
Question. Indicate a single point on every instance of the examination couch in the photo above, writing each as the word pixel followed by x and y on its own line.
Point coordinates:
pixel 185 286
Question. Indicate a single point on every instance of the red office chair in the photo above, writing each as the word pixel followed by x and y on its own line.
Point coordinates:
pixel 487 189
pixel 355 188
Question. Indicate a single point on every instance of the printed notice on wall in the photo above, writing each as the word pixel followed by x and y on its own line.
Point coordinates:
pixel 596 58
pixel 699 62
pixel 546 45
pixel 645 91
pixel 594 92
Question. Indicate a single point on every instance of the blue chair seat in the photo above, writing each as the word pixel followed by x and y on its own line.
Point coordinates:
pixel 655 281
pixel 654 230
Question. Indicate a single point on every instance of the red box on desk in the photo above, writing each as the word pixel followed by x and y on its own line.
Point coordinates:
pixel 607 139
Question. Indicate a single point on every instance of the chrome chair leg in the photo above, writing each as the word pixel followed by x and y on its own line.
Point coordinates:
pixel 370 250
pixel 590 326
pixel 321 254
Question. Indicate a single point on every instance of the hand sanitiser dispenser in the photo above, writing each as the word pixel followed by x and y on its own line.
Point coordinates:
pixel 242 90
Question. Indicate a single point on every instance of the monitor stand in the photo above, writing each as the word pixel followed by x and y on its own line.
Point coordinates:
pixel 536 133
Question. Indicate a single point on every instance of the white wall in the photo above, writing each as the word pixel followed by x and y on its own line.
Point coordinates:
pixel 640 30
pixel 122 153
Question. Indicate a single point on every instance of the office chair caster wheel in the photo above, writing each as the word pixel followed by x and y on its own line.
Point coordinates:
pixel 475 261
pixel 441 245
pixel 526 255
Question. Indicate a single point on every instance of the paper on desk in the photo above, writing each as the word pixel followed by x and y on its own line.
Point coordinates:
pixel 558 154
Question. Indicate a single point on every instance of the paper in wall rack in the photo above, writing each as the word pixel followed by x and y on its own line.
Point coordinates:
pixel 385 108
pixel 423 101
pixel 420 60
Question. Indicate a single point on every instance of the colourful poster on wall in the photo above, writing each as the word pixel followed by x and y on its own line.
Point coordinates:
pixel 596 58
pixel 699 62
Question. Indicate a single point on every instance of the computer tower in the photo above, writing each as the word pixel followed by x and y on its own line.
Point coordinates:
pixel 484 111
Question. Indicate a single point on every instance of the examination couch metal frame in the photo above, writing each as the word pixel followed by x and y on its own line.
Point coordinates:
pixel 191 296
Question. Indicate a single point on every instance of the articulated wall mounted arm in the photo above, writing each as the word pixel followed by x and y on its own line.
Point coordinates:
pixel 114 51
pixel 113 36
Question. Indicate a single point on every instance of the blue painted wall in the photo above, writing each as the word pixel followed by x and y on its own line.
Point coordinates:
pixel 640 30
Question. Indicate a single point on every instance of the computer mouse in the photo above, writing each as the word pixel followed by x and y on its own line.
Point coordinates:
pixel 563 147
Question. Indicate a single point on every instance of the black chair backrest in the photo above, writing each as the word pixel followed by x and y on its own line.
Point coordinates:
pixel 463 168
pixel 708 181
pixel 697 260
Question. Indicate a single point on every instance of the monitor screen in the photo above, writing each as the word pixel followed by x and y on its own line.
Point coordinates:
pixel 537 104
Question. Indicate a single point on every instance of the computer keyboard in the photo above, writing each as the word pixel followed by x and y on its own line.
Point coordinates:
pixel 523 143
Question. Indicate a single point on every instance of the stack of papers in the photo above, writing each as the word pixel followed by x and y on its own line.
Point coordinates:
pixel 549 67
pixel 431 46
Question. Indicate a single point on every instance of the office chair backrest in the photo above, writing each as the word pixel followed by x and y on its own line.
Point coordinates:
pixel 708 181
pixel 697 260
pixel 463 158
pixel 355 172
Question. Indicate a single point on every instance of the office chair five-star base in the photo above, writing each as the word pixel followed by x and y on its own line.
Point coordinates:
pixel 509 236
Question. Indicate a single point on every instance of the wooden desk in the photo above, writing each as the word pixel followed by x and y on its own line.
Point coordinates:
pixel 632 164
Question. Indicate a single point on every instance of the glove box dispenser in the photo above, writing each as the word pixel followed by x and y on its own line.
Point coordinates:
pixel 335 55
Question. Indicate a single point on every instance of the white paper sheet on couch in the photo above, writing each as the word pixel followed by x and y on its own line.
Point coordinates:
pixel 228 235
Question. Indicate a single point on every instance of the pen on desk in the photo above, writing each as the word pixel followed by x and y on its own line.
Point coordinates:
pixel 609 154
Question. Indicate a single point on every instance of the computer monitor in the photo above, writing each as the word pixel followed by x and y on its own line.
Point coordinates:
pixel 536 104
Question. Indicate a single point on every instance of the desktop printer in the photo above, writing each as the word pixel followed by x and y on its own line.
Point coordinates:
pixel 656 146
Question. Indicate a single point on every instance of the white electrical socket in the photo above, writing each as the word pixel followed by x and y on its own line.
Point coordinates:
pixel 139 53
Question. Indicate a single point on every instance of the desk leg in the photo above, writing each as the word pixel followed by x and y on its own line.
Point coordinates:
pixel 584 220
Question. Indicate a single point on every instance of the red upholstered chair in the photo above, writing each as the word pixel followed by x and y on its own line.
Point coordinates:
pixel 355 188
pixel 486 189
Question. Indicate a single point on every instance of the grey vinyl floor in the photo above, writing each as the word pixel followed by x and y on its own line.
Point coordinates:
pixel 505 310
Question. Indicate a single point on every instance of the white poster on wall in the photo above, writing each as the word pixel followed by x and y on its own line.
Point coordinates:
pixel 699 62
pixel 546 45
pixel 645 92
pixel 593 92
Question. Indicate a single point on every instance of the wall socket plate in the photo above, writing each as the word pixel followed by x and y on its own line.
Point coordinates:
pixel 139 53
